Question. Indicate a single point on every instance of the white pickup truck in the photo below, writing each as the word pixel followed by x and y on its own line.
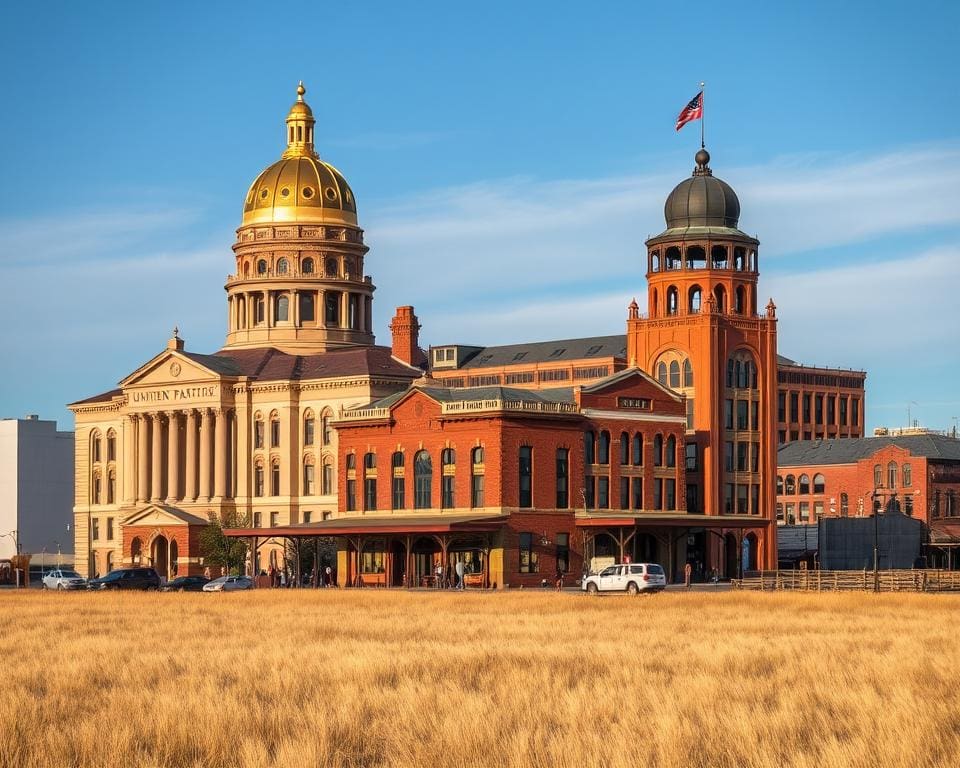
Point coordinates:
pixel 627 577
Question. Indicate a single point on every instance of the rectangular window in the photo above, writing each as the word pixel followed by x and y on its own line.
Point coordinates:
pixel 526 476
pixel 308 480
pixel 671 493
pixel 779 512
pixel 742 500
pixel 636 491
pixel 399 493
pixel 275 479
pixel 804 511
pixel 728 413
pixel 791 515
pixel 372 561
pixel 332 308
pixel 742 457
pixel 855 411
pixel 446 491
pixel 258 481
pixel 755 458
pixel 689 413
pixel 563 552
pixel 307 516
pixel 529 562
pixel 370 493
pixel 274 519
pixel 755 499
pixel 806 409
pixel 658 493
pixel 843 411
pixel 693 499
pixel 728 456
pixel 258 434
pixel 308 432
pixel 109 529
pixel 781 406
pixel 476 491
pixel 742 406
pixel 691 449
pixel 351 495
pixel 817 510
pixel 794 407
pixel 274 434
pixel 831 409
pixel 603 493
pixel 728 498
pixel 589 491
pixel 782 436
pixel 563 480
pixel 95 535
pixel 256 520
pixel 818 409
pixel 754 415
pixel 111 448
pixel 624 493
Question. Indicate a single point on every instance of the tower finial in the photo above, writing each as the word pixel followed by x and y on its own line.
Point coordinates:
pixel 300 91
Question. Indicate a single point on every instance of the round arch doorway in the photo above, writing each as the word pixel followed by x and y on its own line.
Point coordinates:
pixel 163 555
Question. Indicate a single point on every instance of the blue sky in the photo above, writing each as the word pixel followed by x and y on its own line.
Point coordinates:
pixel 508 159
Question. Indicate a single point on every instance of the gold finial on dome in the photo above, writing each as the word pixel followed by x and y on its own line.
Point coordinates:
pixel 300 124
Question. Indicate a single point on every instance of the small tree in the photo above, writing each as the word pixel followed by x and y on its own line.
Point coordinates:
pixel 219 549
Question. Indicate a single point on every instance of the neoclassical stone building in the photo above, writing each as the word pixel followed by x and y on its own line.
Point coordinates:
pixel 247 428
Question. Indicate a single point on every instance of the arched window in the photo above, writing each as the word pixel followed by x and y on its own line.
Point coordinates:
pixel 589 448
pixel 96 487
pixel 696 257
pixel 283 308
pixel 422 480
pixel 326 431
pixel 370 461
pixel 907 476
pixel 136 550
pixel 258 479
pixel 674 374
pixel 397 460
pixel 282 267
pixel 694 296
pixel 662 373
pixel 720 298
pixel 476 478
pixel 804 484
pixel 111 445
pixel 658 450
pixel 306 266
pixel 779 485
pixel 819 483
pixel 308 427
pixel 398 487
pixel 261 267
pixel 844 505
pixel 673 302
pixel 638 450
pixel 603 448
pixel 258 433
pixel 718 256
pixel 740 302
pixel 448 462
pixel 326 480
pixel 740 259
pixel 672 258
pixel 741 370
pixel 370 481
pixel 892 475
pixel 331 267
pixel 111 486
pixel 654 261
pixel 624 448
pixel 687 373
pixel 95 447
pixel 790 485
pixel 671 451
pixel 448 457
pixel 275 477
pixel 309 477
pixel 274 430
pixel 877 476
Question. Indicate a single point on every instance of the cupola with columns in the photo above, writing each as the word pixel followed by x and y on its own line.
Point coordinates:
pixel 299 284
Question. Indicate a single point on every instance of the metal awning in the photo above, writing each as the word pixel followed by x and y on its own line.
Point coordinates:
pixel 361 524
pixel 671 520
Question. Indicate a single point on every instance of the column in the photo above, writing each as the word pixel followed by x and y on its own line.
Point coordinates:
pixel 190 465
pixel 206 448
pixel 143 462
pixel 345 309
pixel 156 470
pixel 173 457
pixel 220 455
pixel 129 469
pixel 295 309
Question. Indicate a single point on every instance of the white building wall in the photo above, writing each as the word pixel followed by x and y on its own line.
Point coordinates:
pixel 36 497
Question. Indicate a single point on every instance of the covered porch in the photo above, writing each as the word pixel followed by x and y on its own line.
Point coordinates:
pixel 715 546
pixel 942 549
pixel 401 551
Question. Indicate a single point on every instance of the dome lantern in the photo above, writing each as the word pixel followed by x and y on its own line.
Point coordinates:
pixel 300 125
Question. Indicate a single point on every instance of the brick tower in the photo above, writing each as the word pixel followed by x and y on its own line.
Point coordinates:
pixel 704 335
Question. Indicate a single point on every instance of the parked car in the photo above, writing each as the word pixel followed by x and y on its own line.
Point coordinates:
pixel 228 584
pixel 63 578
pixel 127 578
pixel 185 584
pixel 627 577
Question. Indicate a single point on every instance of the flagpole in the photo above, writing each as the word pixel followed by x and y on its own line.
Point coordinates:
pixel 703 89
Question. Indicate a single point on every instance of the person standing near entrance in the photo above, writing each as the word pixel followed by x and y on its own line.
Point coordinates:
pixel 459 569
pixel 687 573
pixel 439 573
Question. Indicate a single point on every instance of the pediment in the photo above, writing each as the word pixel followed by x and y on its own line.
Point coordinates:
pixel 170 368
pixel 162 516
pixel 631 381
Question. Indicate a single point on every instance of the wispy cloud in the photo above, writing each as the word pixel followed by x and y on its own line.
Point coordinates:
pixel 389 140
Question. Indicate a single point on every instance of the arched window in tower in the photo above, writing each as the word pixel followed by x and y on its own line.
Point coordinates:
pixel 739 304
pixel 693 299
pixel 672 258
pixel 262 267
pixel 654 261
pixel 331 267
pixel 306 266
pixel 282 309
pixel 283 266
pixel 674 374
pixel 687 373
pixel 673 302
pixel 696 257
pixel 741 370
pixel 662 373
pixel 740 259
pixel 720 298
pixel 718 256
pixel 307 312
pixel 332 309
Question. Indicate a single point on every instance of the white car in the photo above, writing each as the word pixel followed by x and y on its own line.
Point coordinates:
pixel 62 579
pixel 228 584
pixel 627 577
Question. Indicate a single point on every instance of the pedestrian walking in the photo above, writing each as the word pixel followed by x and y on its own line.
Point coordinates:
pixel 558 580
pixel 687 573
pixel 327 577
pixel 459 570
pixel 439 575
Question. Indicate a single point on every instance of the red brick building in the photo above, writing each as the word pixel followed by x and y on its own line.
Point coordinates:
pixel 815 403
pixel 918 475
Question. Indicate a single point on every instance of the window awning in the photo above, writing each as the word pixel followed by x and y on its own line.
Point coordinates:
pixel 374 524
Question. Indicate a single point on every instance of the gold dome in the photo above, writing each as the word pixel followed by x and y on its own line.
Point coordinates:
pixel 300 186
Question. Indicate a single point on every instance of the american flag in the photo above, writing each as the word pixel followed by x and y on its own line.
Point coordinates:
pixel 693 111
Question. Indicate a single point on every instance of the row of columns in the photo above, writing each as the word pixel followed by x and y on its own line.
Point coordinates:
pixel 164 442
pixel 242 310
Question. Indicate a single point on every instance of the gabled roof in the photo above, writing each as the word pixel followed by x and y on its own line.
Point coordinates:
pixel 164 509
pixel 599 386
pixel 560 351
pixel 849 450
pixel 103 397
pixel 442 394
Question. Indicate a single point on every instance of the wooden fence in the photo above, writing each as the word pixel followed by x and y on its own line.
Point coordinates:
pixel 852 581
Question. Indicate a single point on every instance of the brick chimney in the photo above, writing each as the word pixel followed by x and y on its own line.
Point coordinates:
pixel 405 329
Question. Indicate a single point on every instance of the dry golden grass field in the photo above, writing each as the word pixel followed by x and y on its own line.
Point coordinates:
pixel 343 678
